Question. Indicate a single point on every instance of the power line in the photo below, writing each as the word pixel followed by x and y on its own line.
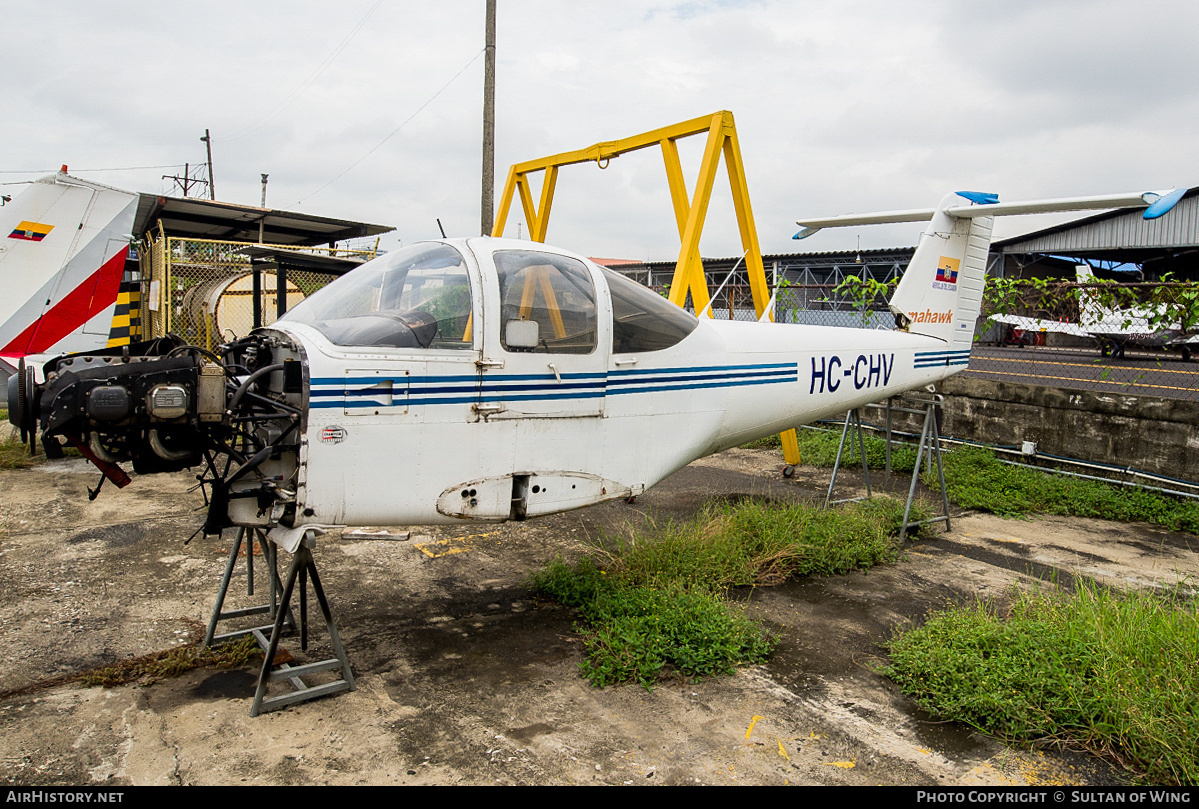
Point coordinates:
pixel 432 98
pixel 304 85
pixel 186 182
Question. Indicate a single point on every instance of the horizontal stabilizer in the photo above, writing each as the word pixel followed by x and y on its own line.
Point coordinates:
pixel 1164 203
pixel 849 220
pixel 1157 204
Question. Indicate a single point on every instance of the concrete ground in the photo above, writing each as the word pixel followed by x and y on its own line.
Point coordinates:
pixel 464 678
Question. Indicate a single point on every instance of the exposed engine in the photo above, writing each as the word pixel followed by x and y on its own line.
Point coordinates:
pixel 164 406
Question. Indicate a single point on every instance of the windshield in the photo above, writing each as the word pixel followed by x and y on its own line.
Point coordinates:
pixel 415 297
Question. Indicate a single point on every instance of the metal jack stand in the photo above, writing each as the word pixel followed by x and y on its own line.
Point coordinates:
pixel 853 417
pixel 269 552
pixel 302 567
pixel 930 441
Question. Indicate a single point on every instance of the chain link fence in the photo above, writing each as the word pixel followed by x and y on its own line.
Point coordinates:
pixel 1122 338
pixel 807 304
pixel 203 290
pixel 1106 337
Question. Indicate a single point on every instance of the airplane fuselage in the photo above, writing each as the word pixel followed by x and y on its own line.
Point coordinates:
pixel 418 436
pixel 489 379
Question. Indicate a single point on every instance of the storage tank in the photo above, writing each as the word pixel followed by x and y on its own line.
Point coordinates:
pixel 221 309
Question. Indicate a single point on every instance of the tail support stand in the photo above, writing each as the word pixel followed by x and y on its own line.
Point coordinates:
pixel 930 441
pixel 302 568
pixel 853 419
pixel 928 453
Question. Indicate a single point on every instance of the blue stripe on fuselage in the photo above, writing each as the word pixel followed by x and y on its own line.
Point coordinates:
pixel 329 392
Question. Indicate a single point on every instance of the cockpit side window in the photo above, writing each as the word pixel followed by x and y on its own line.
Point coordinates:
pixel 415 297
pixel 643 320
pixel 547 303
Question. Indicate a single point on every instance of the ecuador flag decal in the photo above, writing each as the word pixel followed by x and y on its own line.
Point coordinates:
pixel 30 231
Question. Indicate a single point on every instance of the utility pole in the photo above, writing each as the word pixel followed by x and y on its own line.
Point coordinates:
pixel 262 221
pixel 488 201
pixel 211 185
pixel 185 182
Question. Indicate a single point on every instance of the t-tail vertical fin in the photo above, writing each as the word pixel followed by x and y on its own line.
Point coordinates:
pixel 64 243
pixel 940 294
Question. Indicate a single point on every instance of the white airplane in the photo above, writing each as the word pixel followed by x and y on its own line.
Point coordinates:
pixel 494 379
pixel 63 246
pixel 1113 328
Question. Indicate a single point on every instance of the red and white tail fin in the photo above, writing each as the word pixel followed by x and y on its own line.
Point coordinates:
pixel 63 246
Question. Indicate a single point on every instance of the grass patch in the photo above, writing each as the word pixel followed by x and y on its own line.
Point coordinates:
pixel 1114 673
pixel 654 605
pixel 976 479
pixel 818 447
pixel 638 633
pixel 155 666
pixel 13 454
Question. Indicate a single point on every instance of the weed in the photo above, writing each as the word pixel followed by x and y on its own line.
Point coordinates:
pixel 818 447
pixel 13 454
pixel 173 662
pixel 976 479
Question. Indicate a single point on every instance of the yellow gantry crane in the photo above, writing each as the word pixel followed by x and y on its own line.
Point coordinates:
pixel 689 213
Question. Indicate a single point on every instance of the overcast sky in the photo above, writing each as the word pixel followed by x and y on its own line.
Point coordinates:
pixel 372 109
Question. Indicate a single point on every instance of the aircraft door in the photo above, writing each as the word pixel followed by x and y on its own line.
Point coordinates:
pixel 547 353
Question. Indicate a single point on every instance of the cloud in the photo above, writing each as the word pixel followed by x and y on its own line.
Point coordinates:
pixel 850 105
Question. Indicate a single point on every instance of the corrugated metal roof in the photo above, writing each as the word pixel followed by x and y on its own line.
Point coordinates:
pixel 1114 231
pixel 194 218
pixel 848 256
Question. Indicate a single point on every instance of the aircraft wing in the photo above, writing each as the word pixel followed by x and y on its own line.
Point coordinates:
pixel 1037 324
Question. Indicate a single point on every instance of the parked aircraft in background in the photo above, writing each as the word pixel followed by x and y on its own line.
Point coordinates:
pixel 1113 328
pixel 63 247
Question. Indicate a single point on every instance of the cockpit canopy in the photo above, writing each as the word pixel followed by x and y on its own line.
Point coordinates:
pixel 420 297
